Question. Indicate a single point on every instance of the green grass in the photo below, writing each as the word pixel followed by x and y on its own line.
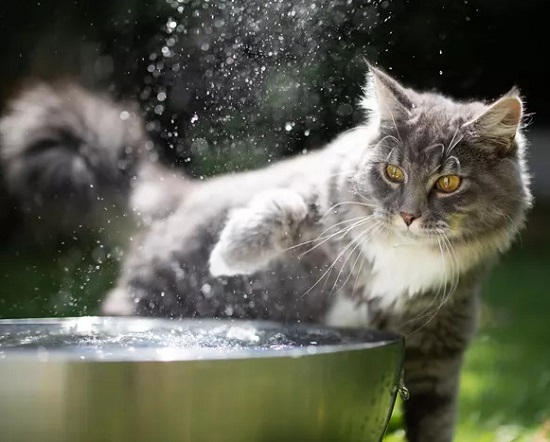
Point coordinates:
pixel 505 390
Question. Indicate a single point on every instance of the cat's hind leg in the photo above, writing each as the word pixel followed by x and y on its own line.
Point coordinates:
pixel 256 234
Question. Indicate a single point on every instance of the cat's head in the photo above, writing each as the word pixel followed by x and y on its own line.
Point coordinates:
pixel 439 166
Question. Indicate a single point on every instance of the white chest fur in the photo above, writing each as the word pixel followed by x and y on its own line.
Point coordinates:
pixel 399 270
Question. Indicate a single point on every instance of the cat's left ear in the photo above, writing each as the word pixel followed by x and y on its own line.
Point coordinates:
pixel 384 97
pixel 500 123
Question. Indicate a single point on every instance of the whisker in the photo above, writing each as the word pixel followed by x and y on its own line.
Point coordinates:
pixel 358 240
pixel 456 161
pixel 343 232
pixel 435 169
pixel 427 310
pixel 359 194
pixel 342 203
pixel 453 143
pixel 505 215
pixel 394 124
pixel 366 199
pixel 329 269
pixel 371 233
pixel 456 262
pixel 342 252
pixel 455 273
pixel 433 146
pixel 357 244
pixel 389 155
pixel 452 139
pixel 320 236
pixel 362 255
pixel 390 137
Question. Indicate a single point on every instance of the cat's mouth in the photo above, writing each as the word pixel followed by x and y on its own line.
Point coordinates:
pixel 418 229
pixel 410 235
pixel 407 238
pixel 417 234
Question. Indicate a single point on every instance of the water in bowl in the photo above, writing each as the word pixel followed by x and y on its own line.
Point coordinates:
pixel 146 339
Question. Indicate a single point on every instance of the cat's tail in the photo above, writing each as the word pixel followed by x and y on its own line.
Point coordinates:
pixel 68 155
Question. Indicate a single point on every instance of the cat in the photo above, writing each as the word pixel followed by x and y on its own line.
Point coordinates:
pixel 392 226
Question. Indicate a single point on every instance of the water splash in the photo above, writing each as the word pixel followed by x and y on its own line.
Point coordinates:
pixel 86 338
pixel 403 391
pixel 235 73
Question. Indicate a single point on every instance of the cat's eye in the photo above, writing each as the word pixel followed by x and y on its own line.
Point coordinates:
pixel 448 183
pixel 395 173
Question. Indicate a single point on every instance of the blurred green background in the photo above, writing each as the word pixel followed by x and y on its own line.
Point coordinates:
pixel 223 88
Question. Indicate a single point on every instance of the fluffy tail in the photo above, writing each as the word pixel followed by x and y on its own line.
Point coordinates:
pixel 68 155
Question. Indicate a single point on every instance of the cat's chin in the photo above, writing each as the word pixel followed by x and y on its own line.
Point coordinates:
pixel 404 236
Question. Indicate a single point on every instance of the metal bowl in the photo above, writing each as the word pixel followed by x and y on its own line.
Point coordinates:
pixel 138 379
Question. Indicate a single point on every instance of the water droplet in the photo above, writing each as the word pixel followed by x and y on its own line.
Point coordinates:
pixel 171 24
pixel 206 290
pixel 402 389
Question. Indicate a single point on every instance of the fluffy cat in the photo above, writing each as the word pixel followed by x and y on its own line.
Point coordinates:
pixel 393 226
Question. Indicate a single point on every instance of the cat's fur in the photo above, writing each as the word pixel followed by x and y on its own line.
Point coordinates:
pixel 320 237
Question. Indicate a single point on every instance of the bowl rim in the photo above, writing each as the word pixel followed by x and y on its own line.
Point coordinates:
pixel 366 339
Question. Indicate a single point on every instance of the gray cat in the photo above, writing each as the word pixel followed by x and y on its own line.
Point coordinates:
pixel 392 226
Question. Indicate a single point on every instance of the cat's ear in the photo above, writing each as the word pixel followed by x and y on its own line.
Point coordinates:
pixel 385 97
pixel 500 122
pixel 514 92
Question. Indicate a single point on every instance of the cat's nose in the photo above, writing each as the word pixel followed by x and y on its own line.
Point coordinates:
pixel 408 217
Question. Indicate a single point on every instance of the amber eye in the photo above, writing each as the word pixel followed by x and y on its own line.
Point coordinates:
pixel 394 173
pixel 448 183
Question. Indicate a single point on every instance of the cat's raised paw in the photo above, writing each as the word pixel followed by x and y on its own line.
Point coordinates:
pixel 219 265
pixel 256 234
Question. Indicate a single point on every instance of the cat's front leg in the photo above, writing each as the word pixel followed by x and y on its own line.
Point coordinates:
pixel 259 232
pixel 433 361
pixel 430 411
